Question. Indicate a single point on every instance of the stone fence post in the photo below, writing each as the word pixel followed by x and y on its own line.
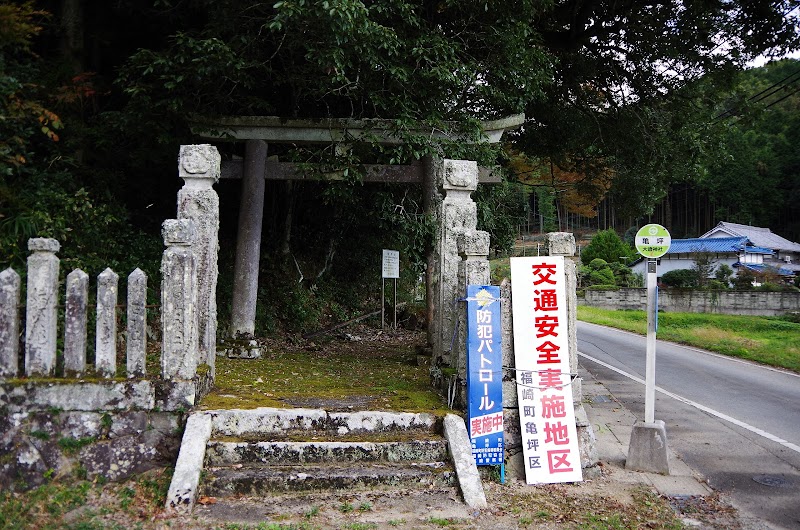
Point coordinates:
pixel 41 307
pixel 9 323
pixel 199 167
pixel 137 324
pixel 179 301
pixel 105 351
pixel 75 322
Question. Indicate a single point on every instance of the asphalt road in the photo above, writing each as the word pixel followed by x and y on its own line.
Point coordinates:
pixel 736 423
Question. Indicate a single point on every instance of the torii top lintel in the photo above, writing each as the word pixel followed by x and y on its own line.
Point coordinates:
pixel 273 129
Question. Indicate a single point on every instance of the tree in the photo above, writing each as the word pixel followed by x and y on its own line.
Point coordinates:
pixel 608 246
pixel 501 210
pixel 760 129
pixel 624 276
pixel 45 190
pixel 610 89
pixel 723 275
pixel 744 279
pixel 605 84
pixel 579 184
pixel 27 122
pixel 635 85
pixel 703 267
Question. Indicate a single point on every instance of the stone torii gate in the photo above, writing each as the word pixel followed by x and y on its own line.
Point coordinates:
pixel 448 184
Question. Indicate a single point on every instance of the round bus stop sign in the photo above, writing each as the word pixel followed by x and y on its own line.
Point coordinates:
pixel 653 241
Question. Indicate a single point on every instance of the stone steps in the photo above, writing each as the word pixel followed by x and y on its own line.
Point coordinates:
pixel 338 451
pixel 220 453
pixel 259 480
pixel 271 452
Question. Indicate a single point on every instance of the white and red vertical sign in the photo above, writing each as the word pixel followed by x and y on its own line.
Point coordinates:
pixel 541 353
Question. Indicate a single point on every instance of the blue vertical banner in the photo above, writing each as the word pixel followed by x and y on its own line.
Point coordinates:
pixel 485 375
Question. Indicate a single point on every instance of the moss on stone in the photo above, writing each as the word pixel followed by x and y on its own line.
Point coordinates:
pixel 374 376
pixel 406 435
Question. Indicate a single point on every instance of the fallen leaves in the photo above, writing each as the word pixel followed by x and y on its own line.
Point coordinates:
pixel 205 500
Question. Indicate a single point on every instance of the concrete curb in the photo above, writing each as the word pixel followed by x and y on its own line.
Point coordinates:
pixel 613 424
pixel 183 488
pixel 461 451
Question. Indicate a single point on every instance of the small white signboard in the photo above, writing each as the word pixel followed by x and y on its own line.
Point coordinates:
pixel 391 264
pixel 541 354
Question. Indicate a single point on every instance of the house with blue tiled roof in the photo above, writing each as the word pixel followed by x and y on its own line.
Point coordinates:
pixel 785 253
pixel 737 252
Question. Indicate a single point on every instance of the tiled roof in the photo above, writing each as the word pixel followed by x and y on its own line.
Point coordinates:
pixel 714 245
pixel 783 271
pixel 762 237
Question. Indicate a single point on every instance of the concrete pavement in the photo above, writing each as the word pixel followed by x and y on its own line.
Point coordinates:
pixel 612 424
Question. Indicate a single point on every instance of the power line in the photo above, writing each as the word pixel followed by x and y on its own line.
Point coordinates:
pixel 764 94
pixel 781 81
pixel 784 97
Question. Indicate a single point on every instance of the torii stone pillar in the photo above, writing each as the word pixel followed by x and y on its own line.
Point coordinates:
pixel 431 205
pixel 456 214
pixel 199 167
pixel 248 241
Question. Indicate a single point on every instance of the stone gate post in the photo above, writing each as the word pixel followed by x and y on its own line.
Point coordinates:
pixel 558 244
pixel 473 249
pixel 563 244
pixel 199 167
pixel 178 301
pixel 456 213
pixel 41 307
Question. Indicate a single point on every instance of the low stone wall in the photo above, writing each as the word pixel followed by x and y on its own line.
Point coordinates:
pixel 59 413
pixel 757 303
pixel 108 429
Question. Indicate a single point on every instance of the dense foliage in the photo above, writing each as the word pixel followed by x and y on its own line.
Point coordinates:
pixel 46 189
pixel 95 102
pixel 756 180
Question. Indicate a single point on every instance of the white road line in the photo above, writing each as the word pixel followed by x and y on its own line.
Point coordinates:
pixel 720 415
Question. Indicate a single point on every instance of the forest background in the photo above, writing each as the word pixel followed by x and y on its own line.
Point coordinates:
pixel 636 112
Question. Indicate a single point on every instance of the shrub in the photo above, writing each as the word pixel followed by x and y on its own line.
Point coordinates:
pixel 744 279
pixel 680 279
pixel 602 277
pixel 723 274
pixel 598 263
pixel 602 287
pixel 716 285
pixel 608 246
